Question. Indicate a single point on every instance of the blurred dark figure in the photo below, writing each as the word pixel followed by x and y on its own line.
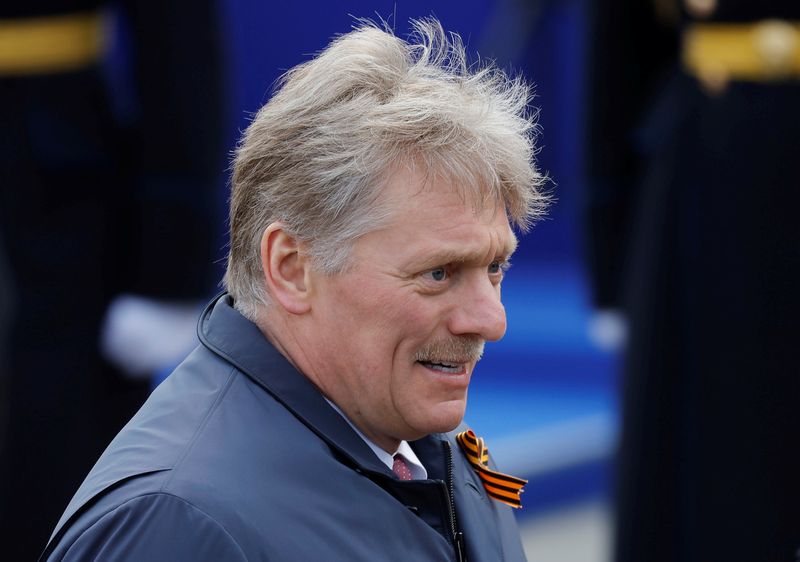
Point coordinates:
pixel 91 208
pixel 694 165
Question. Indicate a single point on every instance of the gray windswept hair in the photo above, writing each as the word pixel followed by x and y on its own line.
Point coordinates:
pixel 316 156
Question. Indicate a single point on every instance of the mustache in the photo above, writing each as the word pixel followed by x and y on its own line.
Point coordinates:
pixel 459 349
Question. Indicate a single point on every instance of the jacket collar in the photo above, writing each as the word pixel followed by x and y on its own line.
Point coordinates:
pixel 228 334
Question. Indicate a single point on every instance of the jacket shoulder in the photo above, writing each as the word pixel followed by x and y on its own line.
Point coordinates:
pixel 158 437
pixel 147 527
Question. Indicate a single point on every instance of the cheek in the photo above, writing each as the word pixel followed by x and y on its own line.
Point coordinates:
pixel 379 322
pixel 390 312
pixel 409 324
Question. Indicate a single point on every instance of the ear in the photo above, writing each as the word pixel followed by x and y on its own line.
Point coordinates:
pixel 286 269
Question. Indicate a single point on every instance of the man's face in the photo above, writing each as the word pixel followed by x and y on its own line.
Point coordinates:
pixel 397 336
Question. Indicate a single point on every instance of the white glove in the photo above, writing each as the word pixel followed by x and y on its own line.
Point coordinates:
pixel 142 336
pixel 608 330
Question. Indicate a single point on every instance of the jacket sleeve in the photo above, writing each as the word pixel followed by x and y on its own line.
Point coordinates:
pixel 154 527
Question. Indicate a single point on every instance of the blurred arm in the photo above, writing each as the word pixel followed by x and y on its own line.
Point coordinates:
pixel 178 77
pixel 628 50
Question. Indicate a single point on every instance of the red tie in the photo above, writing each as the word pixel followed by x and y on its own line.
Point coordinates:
pixel 400 468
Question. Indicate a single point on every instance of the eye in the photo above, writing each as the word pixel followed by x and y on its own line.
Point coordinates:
pixel 498 267
pixel 438 274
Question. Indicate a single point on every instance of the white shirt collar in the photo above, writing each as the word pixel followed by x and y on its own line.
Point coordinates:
pixel 418 471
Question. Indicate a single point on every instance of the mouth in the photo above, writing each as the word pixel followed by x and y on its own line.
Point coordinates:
pixel 446 367
pixel 451 357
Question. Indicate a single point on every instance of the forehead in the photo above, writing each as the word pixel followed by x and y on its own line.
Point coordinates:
pixel 433 217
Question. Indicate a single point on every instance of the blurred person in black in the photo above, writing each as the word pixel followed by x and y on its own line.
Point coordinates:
pixel 92 209
pixel 693 233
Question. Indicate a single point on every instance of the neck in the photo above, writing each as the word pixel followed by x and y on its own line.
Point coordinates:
pixel 286 335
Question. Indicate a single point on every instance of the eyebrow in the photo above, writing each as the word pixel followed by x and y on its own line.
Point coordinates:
pixel 457 256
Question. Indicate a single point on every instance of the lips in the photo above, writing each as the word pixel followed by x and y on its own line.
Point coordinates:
pixel 449 367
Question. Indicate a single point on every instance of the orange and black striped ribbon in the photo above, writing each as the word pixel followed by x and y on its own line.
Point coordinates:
pixel 501 487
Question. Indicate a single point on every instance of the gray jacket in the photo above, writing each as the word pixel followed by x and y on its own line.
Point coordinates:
pixel 236 456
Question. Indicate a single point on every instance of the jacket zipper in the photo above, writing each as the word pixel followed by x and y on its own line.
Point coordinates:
pixel 458 536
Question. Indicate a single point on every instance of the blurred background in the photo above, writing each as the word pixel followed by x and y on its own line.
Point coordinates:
pixel 648 374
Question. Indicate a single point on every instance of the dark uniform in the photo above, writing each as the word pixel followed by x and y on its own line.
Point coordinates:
pixel 693 215
pixel 694 231
pixel 91 207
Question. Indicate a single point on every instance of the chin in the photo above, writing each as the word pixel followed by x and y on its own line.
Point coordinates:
pixel 447 417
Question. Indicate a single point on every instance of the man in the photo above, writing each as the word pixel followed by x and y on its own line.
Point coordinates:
pixel 369 237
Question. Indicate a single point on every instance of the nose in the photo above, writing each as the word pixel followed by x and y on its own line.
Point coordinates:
pixel 479 311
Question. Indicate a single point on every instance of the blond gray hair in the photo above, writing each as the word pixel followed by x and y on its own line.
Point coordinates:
pixel 316 156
